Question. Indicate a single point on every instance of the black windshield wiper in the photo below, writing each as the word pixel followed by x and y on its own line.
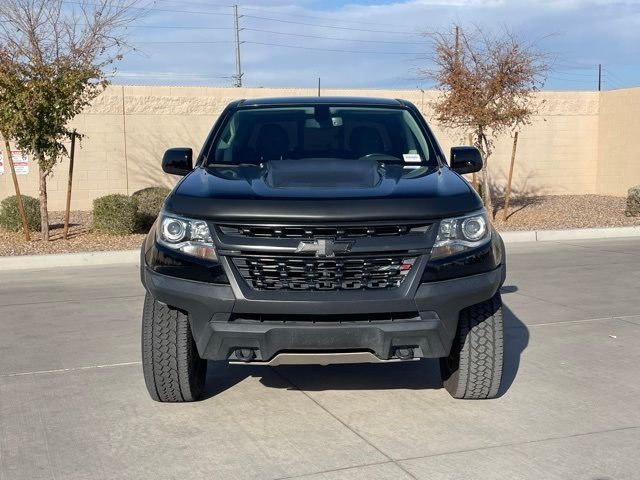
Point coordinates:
pixel 392 160
pixel 397 161
pixel 233 165
pixel 246 164
pixel 382 158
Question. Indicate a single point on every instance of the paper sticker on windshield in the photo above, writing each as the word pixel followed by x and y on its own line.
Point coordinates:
pixel 412 158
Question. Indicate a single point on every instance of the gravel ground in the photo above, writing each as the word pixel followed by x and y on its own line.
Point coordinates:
pixel 80 238
pixel 555 212
pixel 532 213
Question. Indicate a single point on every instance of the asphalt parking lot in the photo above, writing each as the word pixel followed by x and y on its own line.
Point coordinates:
pixel 73 403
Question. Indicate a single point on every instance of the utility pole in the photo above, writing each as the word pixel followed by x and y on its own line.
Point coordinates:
pixel 318 86
pixel 599 77
pixel 238 75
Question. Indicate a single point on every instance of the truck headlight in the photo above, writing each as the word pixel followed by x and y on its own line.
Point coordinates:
pixel 186 235
pixel 457 235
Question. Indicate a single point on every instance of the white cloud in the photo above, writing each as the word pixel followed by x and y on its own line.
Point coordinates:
pixel 584 33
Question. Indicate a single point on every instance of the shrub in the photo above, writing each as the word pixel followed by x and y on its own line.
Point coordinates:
pixel 10 216
pixel 150 202
pixel 633 202
pixel 115 214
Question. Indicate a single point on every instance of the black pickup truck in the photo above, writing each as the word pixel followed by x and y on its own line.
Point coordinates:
pixel 322 230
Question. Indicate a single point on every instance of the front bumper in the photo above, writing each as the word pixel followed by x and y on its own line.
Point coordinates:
pixel 223 318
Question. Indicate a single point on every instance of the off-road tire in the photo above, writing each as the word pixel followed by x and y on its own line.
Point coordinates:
pixel 173 370
pixel 473 369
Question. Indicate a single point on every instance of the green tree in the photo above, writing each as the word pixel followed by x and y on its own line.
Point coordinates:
pixel 487 84
pixel 55 57
pixel 6 92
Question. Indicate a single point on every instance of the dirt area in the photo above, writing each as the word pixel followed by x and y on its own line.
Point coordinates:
pixel 80 238
pixel 531 213
pixel 556 212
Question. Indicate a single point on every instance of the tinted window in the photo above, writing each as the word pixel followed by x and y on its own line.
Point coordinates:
pixel 265 134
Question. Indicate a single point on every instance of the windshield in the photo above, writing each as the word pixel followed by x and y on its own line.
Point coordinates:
pixel 266 134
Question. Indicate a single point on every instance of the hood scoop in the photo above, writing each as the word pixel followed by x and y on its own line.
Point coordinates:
pixel 322 173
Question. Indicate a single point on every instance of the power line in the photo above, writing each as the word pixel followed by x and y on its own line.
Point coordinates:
pixel 567 71
pixel 321 37
pixel 146 9
pixel 574 74
pixel 186 11
pixel 612 85
pixel 179 27
pixel 253 9
pixel 331 49
pixel 271 12
pixel 611 73
pixel 557 76
pixel 168 75
pixel 333 38
pixel 574 68
pixel 609 79
pixel 179 42
pixel 570 80
pixel 190 2
pixel 328 26
pixel 577 65
pixel 608 72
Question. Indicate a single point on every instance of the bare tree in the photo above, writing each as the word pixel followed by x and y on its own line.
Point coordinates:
pixel 487 83
pixel 57 56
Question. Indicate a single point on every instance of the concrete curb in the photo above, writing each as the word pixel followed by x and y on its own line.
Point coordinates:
pixel 515 237
pixel 573 234
pixel 24 262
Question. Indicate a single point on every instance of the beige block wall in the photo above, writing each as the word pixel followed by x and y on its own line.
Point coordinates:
pixel 619 142
pixel 128 128
pixel 556 153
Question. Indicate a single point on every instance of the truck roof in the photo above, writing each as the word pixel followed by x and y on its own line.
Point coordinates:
pixel 333 100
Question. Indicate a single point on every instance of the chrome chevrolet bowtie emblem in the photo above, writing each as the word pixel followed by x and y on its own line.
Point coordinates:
pixel 324 247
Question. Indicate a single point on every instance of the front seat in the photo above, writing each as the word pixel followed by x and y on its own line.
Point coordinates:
pixel 365 140
pixel 272 142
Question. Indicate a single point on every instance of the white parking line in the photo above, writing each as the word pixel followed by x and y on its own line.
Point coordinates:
pixel 62 370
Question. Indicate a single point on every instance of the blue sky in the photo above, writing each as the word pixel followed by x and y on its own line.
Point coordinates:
pixel 368 43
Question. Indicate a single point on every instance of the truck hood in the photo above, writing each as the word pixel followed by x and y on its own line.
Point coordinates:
pixel 322 190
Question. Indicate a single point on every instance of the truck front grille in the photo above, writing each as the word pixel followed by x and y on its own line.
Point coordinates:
pixel 311 273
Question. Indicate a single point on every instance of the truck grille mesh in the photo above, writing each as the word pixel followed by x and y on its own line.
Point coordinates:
pixel 321 231
pixel 311 273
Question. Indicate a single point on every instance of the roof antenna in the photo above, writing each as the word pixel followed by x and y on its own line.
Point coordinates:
pixel 318 86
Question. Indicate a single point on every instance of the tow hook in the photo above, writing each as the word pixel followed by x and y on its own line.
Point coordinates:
pixel 245 354
pixel 404 353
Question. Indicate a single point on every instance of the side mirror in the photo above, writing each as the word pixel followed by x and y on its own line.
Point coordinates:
pixel 466 159
pixel 178 161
